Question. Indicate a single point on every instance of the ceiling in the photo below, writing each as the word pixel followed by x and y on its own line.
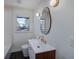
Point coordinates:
pixel 23 3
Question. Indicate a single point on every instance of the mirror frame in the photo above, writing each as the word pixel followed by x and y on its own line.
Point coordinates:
pixel 49 19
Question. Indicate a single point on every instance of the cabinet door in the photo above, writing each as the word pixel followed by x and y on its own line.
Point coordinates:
pixel 46 55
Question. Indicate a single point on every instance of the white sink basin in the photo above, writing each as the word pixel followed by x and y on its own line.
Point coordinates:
pixel 39 47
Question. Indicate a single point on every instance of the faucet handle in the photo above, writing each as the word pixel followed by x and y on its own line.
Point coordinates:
pixel 41 37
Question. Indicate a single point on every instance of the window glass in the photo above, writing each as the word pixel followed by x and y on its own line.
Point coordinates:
pixel 22 23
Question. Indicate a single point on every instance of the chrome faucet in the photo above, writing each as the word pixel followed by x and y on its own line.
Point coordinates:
pixel 43 39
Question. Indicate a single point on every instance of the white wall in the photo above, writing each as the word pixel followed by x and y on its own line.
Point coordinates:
pixel 8 36
pixel 20 38
pixel 61 35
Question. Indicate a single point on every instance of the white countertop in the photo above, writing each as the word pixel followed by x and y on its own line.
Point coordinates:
pixel 40 47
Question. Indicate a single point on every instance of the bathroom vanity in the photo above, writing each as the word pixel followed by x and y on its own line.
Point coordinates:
pixel 39 50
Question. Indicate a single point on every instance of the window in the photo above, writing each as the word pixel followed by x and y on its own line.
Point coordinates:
pixel 22 23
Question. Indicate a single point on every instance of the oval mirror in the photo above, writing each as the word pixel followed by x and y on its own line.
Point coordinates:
pixel 45 21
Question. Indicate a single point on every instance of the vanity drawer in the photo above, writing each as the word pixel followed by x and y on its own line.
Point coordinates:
pixel 46 55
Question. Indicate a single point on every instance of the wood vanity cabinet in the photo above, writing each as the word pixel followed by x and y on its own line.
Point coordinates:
pixel 38 50
pixel 46 55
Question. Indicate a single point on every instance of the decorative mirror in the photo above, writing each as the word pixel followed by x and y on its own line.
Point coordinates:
pixel 45 21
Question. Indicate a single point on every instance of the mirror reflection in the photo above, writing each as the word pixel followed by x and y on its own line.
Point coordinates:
pixel 45 21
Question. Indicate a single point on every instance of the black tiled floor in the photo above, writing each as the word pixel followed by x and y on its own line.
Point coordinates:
pixel 18 55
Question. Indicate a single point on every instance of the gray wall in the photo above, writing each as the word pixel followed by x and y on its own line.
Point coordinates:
pixel 8 29
pixel 14 39
pixel 21 38
pixel 61 35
